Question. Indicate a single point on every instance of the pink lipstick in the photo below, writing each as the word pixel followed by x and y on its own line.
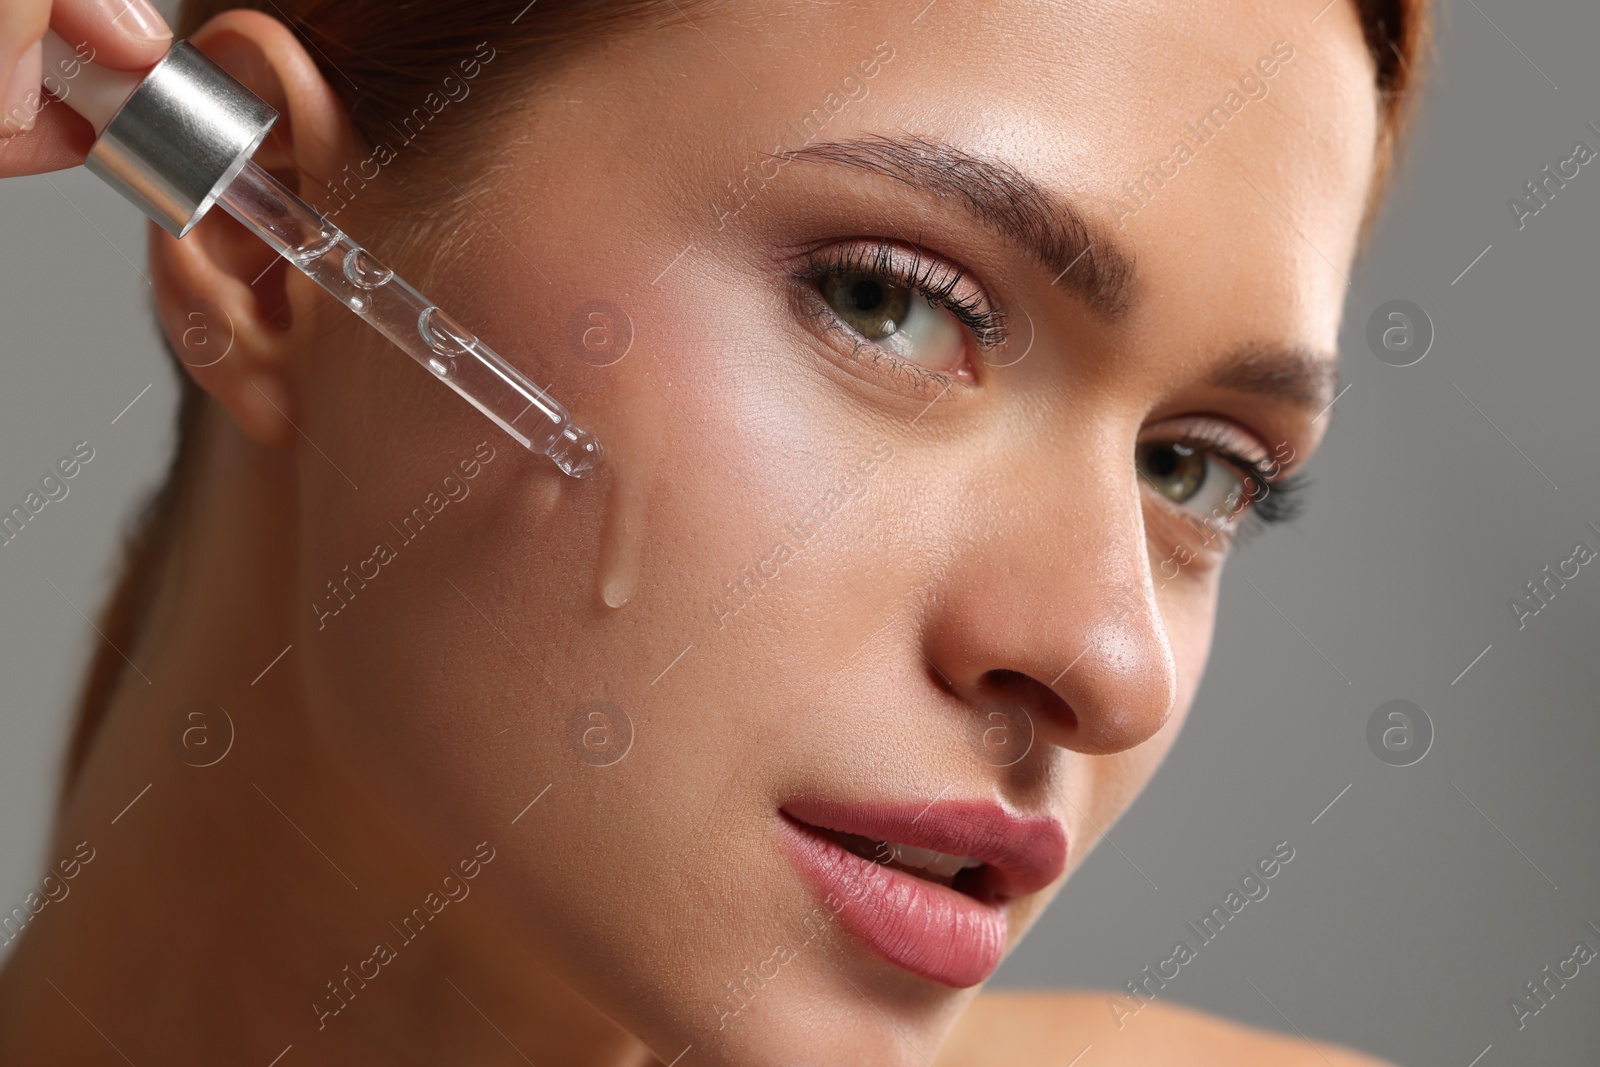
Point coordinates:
pixel 926 886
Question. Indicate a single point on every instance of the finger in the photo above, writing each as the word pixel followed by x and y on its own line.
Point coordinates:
pixel 22 24
pixel 58 140
pixel 23 96
pixel 126 34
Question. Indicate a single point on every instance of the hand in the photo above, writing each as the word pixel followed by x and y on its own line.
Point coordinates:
pixel 38 133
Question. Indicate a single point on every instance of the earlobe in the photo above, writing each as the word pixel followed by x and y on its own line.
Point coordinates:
pixel 228 304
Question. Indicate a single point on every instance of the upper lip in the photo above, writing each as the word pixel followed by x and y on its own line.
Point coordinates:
pixel 1025 852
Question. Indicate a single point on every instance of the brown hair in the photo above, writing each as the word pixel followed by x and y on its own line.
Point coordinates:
pixel 383 62
pixel 1399 34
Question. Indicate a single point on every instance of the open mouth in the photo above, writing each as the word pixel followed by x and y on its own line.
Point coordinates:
pixel 926 886
pixel 964 874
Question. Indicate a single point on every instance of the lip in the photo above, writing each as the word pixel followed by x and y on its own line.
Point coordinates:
pixel 933 931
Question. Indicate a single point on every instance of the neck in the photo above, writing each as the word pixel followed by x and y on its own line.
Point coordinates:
pixel 239 897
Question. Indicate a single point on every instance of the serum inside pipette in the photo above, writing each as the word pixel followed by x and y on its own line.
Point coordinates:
pixel 178 139
pixel 415 324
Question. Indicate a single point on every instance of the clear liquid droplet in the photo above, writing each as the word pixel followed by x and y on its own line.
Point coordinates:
pixel 616 593
pixel 576 452
pixel 631 462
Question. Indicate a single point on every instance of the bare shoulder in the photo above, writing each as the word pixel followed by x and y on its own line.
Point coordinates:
pixel 1021 1029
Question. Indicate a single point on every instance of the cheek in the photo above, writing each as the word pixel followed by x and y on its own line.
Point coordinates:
pixel 479 666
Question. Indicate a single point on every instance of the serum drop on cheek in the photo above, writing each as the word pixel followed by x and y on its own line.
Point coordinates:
pixel 622 545
pixel 636 443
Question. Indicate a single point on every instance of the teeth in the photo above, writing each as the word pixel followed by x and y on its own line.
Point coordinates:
pixel 940 863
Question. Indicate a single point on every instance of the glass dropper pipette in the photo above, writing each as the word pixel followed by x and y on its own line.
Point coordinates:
pixel 409 319
pixel 178 140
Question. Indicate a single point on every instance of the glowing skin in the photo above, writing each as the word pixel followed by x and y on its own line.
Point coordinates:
pixel 828 565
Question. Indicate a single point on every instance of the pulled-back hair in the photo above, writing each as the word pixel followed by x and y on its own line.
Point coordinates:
pixel 384 57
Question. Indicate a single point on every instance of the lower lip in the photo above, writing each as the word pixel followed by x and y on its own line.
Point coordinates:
pixel 929 930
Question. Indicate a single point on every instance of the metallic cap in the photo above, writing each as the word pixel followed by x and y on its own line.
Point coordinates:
pixel 184 134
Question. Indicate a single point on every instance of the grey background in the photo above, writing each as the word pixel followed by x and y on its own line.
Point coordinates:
pixel 1417 904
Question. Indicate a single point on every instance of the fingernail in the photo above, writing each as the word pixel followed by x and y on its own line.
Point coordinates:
pixel 138 19
pixel 23 86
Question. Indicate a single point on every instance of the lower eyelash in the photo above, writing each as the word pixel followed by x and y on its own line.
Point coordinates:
pixel 923 381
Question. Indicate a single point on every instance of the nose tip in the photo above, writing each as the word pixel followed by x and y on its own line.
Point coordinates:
pixel 1117 692
pixel 1122 688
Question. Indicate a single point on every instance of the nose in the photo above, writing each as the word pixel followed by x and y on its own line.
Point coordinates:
pixel 1074 638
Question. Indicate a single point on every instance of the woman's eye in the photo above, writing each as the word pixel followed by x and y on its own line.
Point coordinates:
pixel 898 319
pixel 1195 479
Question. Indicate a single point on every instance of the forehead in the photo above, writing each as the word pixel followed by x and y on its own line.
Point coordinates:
pixel 1227 144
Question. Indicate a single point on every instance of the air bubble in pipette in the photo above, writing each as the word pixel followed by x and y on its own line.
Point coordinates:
pixel 364 270
pixel 450 351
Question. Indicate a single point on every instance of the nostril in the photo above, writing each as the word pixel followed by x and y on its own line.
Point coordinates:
pixel 1032 694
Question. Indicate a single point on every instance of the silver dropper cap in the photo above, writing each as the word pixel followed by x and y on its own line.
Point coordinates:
pixel 181 138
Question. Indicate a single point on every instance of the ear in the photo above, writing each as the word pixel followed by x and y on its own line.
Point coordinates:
pixel 225 300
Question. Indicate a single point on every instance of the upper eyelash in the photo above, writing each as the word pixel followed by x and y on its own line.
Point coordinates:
pixel 906 265
pixel 1284 499
pixel 1284 503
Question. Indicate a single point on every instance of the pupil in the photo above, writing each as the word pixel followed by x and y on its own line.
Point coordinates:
pixel 1177 471
pixel 870 306
pixel 866 295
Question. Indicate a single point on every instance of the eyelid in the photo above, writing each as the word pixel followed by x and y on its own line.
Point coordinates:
pixel 1227 439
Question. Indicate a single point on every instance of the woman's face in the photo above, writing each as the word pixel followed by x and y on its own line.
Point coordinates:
pixel 941 574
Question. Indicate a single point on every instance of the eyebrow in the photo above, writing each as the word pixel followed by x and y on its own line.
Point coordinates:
pixel 1082 256
pixel 1292 374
